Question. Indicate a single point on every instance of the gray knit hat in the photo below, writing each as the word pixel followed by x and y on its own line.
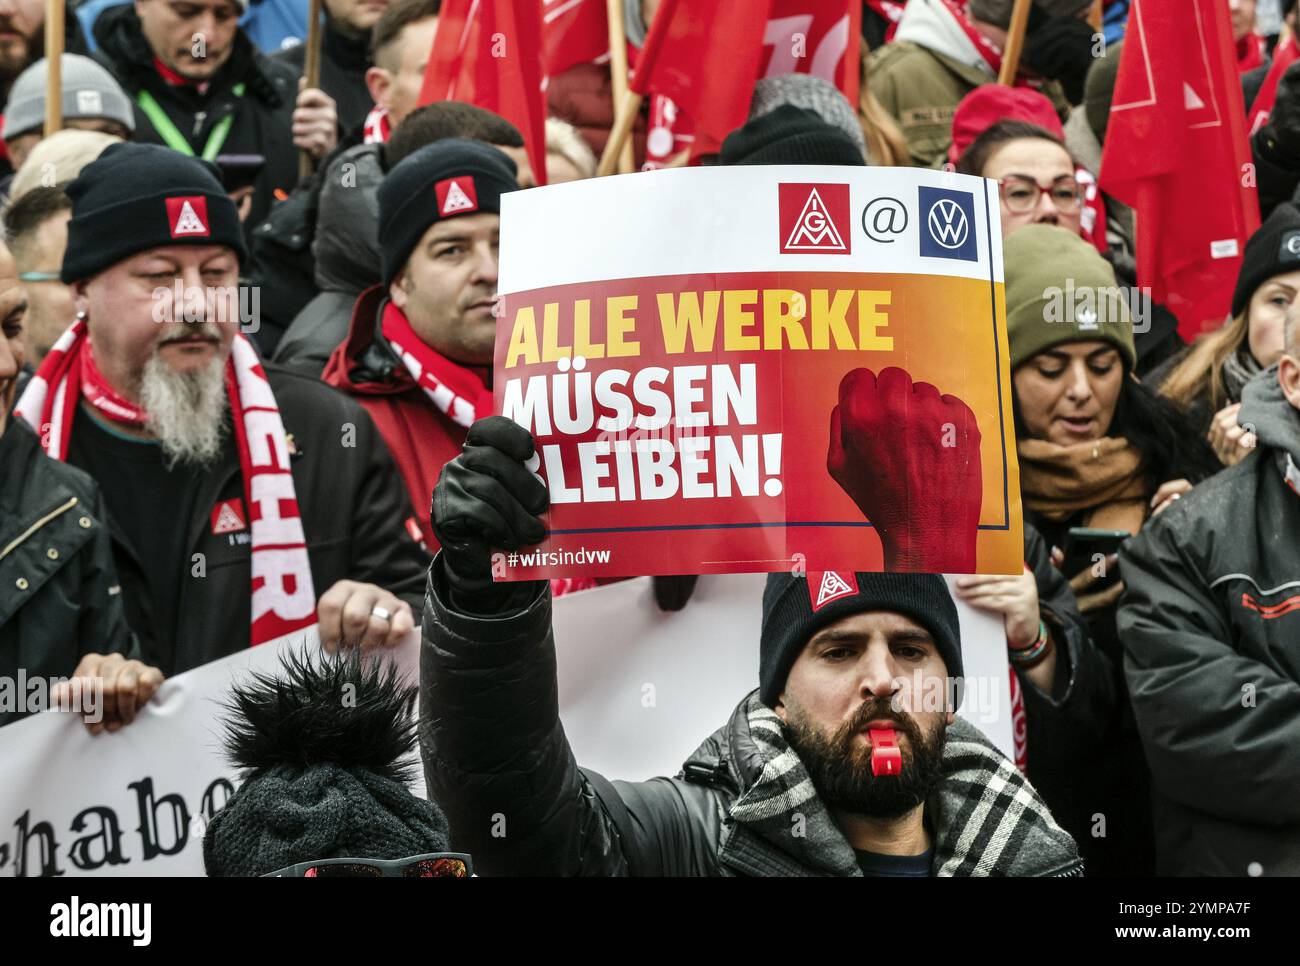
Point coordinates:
pixel 812 94
pixel 89 91
pixel 328 745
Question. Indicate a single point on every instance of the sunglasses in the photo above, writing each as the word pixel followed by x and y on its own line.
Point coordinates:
pixel 431 865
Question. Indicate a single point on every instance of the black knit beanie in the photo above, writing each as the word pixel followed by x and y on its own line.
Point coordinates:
pixel 441 180
pixel 796 607
pixel 327 744
pixel 790 135
pixel 1273 250
pixel 134 197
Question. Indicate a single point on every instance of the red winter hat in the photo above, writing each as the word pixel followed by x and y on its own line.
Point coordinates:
pixel 989 103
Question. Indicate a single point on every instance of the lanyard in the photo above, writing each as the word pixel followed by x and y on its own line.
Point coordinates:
pixel 175 140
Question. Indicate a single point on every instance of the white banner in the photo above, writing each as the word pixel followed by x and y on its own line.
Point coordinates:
pixel 640 689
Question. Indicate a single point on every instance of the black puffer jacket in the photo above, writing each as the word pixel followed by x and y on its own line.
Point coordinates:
pixel 60 599
pixel 1210 623
pixel 493 746
pixel 263 115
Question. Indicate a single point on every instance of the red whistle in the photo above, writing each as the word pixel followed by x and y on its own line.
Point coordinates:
pixel 886 757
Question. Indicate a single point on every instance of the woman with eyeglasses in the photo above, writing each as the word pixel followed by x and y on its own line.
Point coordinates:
pixel 1035 174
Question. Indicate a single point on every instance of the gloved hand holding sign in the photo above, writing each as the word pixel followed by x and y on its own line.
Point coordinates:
pixel 910 459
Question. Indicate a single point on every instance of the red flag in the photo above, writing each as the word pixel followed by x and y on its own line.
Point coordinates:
pixel 574 32
pixel 1176 151
pixel 704 55
pixel 488 53
pixel 818 37
pixel 1286 54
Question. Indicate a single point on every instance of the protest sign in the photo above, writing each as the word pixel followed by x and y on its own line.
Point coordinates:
pixel 135 802
pixel 761 368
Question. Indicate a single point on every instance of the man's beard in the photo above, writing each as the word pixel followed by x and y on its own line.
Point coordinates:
pixel 840 764
pixel 17 57
pixel 186 411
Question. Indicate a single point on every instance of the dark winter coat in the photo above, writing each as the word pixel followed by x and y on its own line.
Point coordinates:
pixel 61 599
pixel 1210 623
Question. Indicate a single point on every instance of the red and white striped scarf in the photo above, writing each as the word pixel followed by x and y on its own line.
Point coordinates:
pixel 283 597
pixel 455 390
pixel 378 126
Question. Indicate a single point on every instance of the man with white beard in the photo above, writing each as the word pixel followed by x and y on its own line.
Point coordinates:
pixel 235 494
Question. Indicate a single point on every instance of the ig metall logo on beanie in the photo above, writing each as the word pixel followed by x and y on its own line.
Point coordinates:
pixel 814 218
pixel 187 216
pixel 948 224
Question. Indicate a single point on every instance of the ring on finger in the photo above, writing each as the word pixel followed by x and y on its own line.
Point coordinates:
pixel 382 613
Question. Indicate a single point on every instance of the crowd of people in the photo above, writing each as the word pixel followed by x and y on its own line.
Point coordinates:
pixel 311 441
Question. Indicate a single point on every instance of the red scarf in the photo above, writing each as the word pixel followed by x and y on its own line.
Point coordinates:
pixel 891 10
pixel 174 79
pixel 987 49
pixel 377 127
pixel 283 597
pixel 459 391
pixel 1250 52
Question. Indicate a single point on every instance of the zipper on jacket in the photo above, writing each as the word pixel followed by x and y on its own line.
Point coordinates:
pixel 22 537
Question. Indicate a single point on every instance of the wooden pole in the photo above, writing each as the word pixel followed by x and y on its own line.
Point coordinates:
pixel 624 118
pixel 1095 15
pixel 310 71
pixel 1015 42
pixel 54 63
pixel 618 72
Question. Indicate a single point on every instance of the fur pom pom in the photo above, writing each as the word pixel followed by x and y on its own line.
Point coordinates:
pixel 343 709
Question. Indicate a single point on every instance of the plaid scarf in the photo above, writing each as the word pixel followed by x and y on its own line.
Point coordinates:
pixel 283 597
pixel 986 818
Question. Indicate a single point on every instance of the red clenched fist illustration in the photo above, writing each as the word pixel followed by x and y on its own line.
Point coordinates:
pixel 910 459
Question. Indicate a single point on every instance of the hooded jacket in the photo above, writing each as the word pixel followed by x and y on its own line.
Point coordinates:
pixel 1210 624
pixel 922 75
pixel 492 743
pixel 61 597
pixel 346 252
pixel 420 436
pixel 263 113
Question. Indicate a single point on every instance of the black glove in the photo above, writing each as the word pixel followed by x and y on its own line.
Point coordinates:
pixel 1281 135
pixel 484 499
pixel 1059 48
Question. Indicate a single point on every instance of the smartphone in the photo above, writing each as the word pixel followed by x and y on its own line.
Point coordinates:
pixel 1083 544
pixel 239 170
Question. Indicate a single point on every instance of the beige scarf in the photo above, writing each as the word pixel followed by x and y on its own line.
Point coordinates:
pixel 1104 477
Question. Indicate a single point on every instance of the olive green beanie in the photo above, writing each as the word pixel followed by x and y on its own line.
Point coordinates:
pixel 1060 289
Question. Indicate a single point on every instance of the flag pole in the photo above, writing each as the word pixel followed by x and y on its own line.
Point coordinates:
pixel 310 71
pixel 54 63
pixel 1015 42
pixel 625 117
pixel 618 71
pixel 1095 15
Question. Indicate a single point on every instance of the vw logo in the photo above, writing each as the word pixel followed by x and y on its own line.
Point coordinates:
pixel 948 225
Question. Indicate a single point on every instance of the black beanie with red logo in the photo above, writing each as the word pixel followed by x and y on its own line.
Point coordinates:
pixel 134 197
pixel 446 179
pixel 795 607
